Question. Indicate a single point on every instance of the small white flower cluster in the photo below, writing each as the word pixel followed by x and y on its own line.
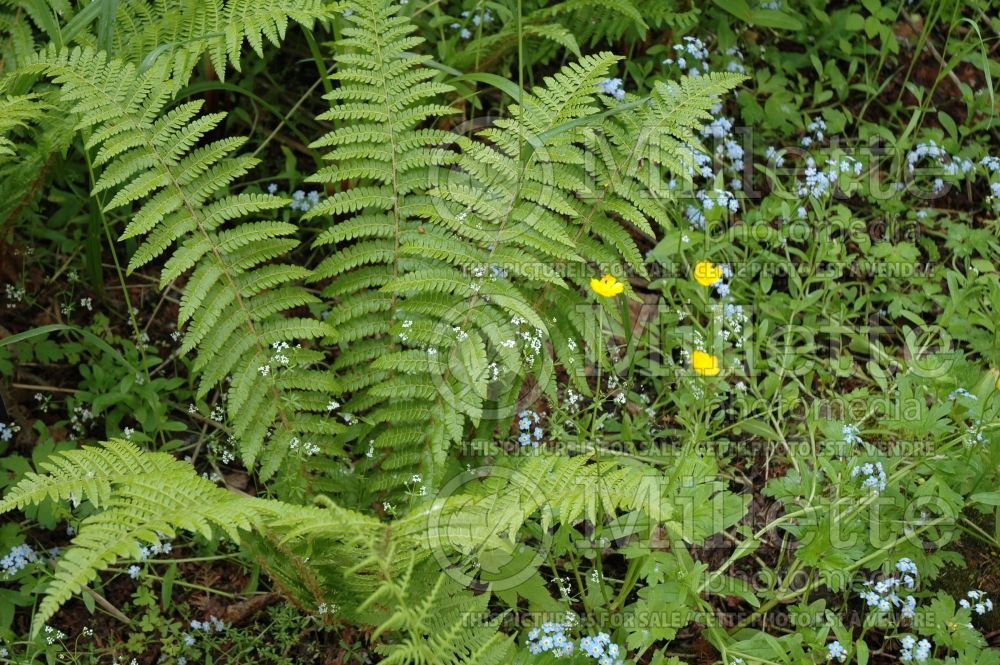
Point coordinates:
pixel 836 651
pixel 210 625
pixel 8 430
pixel 883 595
pixel 532 341
pixel 227 451
pixel 53 635
pixel 44 402
pixel 874 474
pixel 693 50
pixel 133 571
pixel 977 601
pixel 612 88
pixel 279 356
pixel 15 295
pixel 733 319
pixel 416 480
pixel 913 650
pixel 17 559
pixel 407 324
pixel 974 435
pixel 308 448
pixel 78 421
pixel 531 433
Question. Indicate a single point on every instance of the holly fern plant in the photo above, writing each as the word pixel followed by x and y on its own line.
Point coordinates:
pixel 450 282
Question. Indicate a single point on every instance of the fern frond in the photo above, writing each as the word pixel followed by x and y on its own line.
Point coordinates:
pixel 236 300
pixel 86 475
pixel 140 496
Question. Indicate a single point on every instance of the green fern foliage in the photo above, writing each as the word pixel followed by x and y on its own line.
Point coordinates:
pixel 184 30
pixel 319 554
pixel 430 619
pixel 15 112
pixel 445 248
pixel 236 297
pixel 384 98
pixel 141 496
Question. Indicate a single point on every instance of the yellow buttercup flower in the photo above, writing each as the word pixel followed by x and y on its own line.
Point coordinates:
pixel 704 363
pixel 997 384
pixel 706 273
pixel 608 286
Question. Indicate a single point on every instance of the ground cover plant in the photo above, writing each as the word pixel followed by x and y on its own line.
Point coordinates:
pixel 383 331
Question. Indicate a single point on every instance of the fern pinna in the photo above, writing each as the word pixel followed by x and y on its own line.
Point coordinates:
pixel 446 248
pixel 236 297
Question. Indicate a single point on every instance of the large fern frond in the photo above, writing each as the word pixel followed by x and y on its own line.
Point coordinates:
pixel 141 497
pixel 236 300
pixel 316 554
pixel 385 99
